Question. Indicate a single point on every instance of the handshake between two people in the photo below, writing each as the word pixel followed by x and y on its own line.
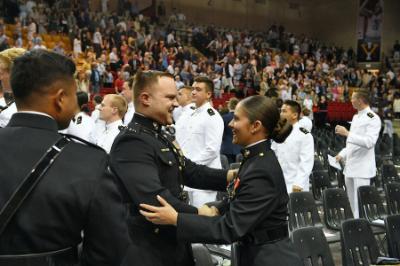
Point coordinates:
pixel 167 215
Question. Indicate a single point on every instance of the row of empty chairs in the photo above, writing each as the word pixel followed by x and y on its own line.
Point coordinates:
pixel 359 246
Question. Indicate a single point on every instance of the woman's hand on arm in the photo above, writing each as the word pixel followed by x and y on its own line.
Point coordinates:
pixel 165 214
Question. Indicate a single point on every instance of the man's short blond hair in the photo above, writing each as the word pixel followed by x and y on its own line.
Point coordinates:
pixel 8 56
pixel 118 102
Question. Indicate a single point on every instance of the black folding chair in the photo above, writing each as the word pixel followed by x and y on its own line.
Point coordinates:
pixel 224 161
pixel 359 246
pixel 320 181
pixel 239 157
pixel 392 224
pixel 202 255
pixel 336 207
pixel 392 193
pixel 370 205
pixel 310 243
pixel 234 166
pixel 303 211
pixel 389 174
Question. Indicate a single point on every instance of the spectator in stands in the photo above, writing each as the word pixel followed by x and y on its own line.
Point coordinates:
pixel 119 82
pixel 228 148
pixel 296 154
pixel 179 83
pixel 95 79
pixel 82 81
pixel 359 153
pixel 3 40
pixel 396 105
pixel 256 209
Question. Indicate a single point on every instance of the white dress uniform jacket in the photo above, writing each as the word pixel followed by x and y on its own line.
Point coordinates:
pixel 199 133
pixel 2 102
pixel 296 157
pixel 129 114
pixel 5 115
pixel 202 142
pixel 181 126
pixel 106 138
pixel 81 126
pixel 359 153
pixel 306 122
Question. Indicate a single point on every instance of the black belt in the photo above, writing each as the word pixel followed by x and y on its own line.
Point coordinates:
pixel 265 236
pixel 63 257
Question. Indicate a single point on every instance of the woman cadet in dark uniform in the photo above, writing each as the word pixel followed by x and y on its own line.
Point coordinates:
pixel 255 213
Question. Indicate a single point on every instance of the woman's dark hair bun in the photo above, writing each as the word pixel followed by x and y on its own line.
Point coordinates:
pixel 281 131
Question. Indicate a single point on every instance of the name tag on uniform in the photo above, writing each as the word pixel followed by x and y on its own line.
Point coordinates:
pixel 165 150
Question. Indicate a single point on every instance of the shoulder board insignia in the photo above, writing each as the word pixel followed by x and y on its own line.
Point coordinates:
pixel 170 130
pixel 121 127
pixel 79 120
pixel 210 112
pixel 305 131
pixel 370 115
pixel 85 142
pixel 192 107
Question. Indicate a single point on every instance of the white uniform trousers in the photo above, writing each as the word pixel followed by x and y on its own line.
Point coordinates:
pixel 352 185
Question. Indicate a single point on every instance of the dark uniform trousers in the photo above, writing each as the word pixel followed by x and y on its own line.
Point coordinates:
pixel 75 195
pixel 148 164
pixel 255 214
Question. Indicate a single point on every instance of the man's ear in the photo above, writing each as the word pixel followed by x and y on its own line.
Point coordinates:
pixel 209 95
pixel 145 98
pixel 59 100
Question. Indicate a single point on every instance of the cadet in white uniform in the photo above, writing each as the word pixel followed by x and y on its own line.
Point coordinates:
pixel 201 142
pixel 184 98
pixel 305 120
pixel 127 93
pixel 359 153
pixel 296 153
pixel 6 60
pixel 6 114
pixel 99 125
pixel 183 113
pixel 112 110
pixel 82 125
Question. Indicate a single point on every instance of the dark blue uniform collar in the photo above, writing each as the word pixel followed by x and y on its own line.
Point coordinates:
pixel 146 122
pixel 33 121
pixel 256 150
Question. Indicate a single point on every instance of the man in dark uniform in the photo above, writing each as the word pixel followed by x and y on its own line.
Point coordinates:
pixel 76 200
pixel 148 164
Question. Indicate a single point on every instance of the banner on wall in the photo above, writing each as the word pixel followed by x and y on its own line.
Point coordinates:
pixel 369 30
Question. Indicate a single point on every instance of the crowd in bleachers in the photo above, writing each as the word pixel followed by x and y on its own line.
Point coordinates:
pixel 275 62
